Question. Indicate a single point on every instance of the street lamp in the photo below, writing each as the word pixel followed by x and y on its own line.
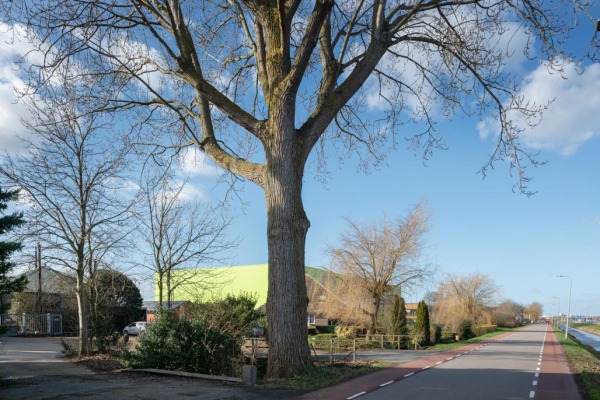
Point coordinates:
pixel 558 311
pixel 569 306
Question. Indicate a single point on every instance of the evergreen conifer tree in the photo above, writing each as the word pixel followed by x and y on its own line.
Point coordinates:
pixel 399 318
pixel 9 222
pixel 427 326
pixel 422 324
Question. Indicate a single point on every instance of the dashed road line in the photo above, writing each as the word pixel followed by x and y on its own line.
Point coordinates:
pixel 407 375
pixel 532 394
pixel 355 396
pixel 387 383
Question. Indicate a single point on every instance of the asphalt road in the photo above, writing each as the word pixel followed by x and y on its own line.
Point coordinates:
pixel 527 363
pixel 502 370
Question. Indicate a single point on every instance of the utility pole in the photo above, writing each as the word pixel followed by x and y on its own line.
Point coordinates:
pixel 38 260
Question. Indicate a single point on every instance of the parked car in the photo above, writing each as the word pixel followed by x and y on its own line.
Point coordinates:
pixel 135 328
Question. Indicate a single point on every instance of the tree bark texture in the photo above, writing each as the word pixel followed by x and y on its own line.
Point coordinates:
pixel 287 226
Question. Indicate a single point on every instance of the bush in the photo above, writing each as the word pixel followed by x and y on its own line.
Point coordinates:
pixel 483 329
pixel 325 329
pixel 437 333
pixel 234 315
pixel 312 331
pixel 447 334
pixel 190 346
pixel 465 329
pixel 323 339
pixel 345 331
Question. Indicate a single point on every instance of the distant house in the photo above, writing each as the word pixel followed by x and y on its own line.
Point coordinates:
pixel 55 295
pixel 151 308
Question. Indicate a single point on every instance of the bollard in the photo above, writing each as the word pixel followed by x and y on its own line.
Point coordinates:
pixel 249 375
pixel 125 337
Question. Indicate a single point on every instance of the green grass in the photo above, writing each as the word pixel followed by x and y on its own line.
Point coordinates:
pixel 591 328
pixel 326 375
pixel 585 362
pixel 451 345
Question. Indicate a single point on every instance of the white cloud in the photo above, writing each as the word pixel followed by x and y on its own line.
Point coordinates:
pixel 12 46
pixel 193 162
pixel 571 119
pixel 190 192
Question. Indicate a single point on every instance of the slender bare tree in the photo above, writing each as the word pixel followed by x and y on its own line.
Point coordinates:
pixel 284 76
pixel 374 260
pixel 180 237
pixel 71 174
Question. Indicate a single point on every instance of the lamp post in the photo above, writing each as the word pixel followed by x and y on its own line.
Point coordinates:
pixel 558 311
pixel 569 306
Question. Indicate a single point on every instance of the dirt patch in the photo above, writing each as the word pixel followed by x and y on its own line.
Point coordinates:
pixel 101 363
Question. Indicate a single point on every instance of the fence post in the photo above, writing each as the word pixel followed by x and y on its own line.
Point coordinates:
pixel 24 324
pixel 382 341
pixel 354 350
pixel 48 324
pixel 330 351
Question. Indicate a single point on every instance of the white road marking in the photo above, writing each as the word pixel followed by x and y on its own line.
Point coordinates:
pixel 448 359
pixel 429 366
pixel 534 383
pixel 407 375
pixel 532 394
pixel 355 396
pixel 438 363
pixel 537 374
pixel 387 383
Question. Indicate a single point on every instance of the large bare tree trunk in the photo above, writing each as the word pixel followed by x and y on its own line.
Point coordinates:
pixel 287 226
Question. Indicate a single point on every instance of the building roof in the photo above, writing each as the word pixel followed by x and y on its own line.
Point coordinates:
pixel 53 281
pixel 152 306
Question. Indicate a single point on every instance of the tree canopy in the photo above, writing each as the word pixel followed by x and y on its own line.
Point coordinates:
pixel 259 85
pixel 8 222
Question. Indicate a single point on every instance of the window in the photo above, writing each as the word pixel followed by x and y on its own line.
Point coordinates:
pixel 311 319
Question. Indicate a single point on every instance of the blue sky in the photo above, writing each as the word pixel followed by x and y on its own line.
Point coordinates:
pixel 477 225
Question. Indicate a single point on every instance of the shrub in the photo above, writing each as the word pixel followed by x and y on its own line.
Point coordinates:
pixel 447 334
pixel 464 329
pixel 312 331
pixel 184 345
pixel 483 329
pixel 345 331
pixel 323 339
pixel 234 315
pixel 437 334
pixel 325 329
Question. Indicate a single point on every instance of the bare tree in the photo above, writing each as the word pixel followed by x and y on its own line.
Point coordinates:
pixel 533 311
pixel 465 297
pixel 180 237
pixel 285 76
pixel 509 313
pixel 70 174
pixel 374 260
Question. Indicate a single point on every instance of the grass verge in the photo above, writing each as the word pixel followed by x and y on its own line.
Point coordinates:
pixel 590 328
pixel 585 363
pixel 326 375
pixel 451 345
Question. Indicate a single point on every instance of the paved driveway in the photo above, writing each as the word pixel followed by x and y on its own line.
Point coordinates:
pixel 34 368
